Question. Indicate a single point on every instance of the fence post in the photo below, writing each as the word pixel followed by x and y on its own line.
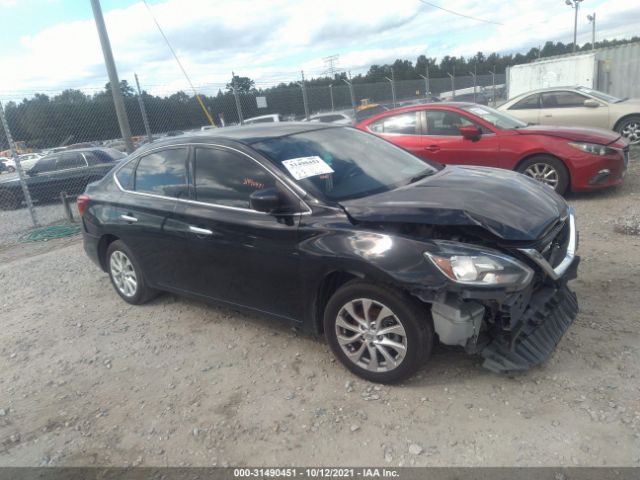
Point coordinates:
pixel 393 87
pixel 237 98
pixel 453 86
pixel 14 155
pixel 143 111
pixel 305 101
pixel 331 95
pixel 353 96
pixel 474 85
pixel 426 83
pixel 493 86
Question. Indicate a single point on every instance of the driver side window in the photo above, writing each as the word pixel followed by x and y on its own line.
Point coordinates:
pixel 445 123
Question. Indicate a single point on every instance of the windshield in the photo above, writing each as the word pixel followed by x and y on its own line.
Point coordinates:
pixel 494 117
pixel 338 164
pixel 600 95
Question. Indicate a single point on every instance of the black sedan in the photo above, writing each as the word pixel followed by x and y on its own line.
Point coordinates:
pixel 344 234
pixel 68 172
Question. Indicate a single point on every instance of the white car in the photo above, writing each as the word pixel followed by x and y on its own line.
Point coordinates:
pixel 339 118
pixel 27 161
pixel 276 117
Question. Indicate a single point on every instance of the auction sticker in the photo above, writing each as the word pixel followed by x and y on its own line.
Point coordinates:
pixel 305 167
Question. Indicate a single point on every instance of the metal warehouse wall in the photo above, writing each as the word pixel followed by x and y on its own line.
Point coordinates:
pixel 619 70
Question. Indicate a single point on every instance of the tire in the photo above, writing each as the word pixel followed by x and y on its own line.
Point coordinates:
pixel 123 267
pixel 630 129
pixel 11 169
pixel 546 166
pixel 415 332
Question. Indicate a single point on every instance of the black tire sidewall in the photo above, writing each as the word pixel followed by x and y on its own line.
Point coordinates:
pixel 558 165
pixel 143 292
pixel 419 330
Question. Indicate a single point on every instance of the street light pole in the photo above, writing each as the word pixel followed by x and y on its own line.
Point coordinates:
pixel 118 102
pixel 575 4
pixel 592 19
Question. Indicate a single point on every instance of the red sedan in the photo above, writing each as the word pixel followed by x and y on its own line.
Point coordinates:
pixel 564 158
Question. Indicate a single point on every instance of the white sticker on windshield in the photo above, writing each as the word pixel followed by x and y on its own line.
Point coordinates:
pixel 305 167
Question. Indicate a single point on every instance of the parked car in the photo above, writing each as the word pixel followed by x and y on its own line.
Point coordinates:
pixel 27 160
pixel 479 97
pixel 563 158
pixel 344 117
pixel 68 171
pixel 342 233
pixel 578 106
pixel 274 118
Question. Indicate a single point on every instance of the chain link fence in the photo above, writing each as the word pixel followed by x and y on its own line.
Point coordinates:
pixel 65 140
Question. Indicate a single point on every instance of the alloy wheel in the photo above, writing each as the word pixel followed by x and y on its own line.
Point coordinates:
pixel 543 172
pixel 123 274
pixel 631 131
pixel 371 335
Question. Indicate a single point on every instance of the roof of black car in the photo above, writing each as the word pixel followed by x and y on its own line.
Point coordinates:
pixel 246 134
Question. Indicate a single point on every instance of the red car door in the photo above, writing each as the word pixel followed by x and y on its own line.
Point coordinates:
pixel 403 129
pixel 444 143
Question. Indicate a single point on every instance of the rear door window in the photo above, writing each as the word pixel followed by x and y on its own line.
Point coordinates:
pixel 528 103
pixel 70 160
pixel 163 173
pixel 402 124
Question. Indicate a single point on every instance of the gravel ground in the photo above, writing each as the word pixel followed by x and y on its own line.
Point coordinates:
pixel 88 380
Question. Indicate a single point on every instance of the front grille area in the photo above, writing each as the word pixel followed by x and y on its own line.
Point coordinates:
pixel 556 249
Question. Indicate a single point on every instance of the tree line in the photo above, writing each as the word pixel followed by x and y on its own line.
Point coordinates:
pixel 72 116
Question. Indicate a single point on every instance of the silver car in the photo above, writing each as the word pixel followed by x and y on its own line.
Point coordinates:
pixel 578 106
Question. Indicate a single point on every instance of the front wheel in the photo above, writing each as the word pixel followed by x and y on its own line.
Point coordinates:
pixel 126 276
pixel 379 333
pixel 547 170
pixel 11 169
pixel 630 129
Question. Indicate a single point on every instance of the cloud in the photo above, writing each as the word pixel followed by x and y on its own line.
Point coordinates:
pixel 272 40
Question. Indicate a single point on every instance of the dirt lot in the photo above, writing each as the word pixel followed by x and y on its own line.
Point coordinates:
pixel 89 380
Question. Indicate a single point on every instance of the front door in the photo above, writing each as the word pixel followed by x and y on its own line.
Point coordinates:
pixel 233 253
pixel 444 143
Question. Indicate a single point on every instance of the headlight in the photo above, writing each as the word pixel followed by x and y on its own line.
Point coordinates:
pixel 469 265
pixel 593 148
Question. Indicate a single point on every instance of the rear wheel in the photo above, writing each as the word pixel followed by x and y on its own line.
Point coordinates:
pixel 379 333
pixel 547 170
pixel 630 129
pixel 11 169
pixel 126 276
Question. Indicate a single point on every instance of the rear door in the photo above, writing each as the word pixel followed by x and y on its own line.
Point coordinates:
pixel 71 173
pixel 144 212
pixel 403 129
pixel 527 109
pixel 564 107
pixel 234 253
pixel 444 143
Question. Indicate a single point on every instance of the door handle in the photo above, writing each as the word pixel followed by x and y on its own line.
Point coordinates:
pixel 432 148
pixel 129 218
pixel 200 231
pixel 548 115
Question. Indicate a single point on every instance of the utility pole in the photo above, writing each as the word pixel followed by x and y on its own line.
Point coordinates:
pixel 426 79
pixel 331 64
pixel 575 4
pixel 592 19
pixel 143 111
pixel 473 74
pixel 493 83
pixel 118 102
pixel 453 85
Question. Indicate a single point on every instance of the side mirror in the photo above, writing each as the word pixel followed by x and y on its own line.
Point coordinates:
pixel 470 132
pixel 591 103
pixel 266 200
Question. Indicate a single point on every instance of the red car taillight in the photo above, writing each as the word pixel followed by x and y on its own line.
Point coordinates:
pixel 83 201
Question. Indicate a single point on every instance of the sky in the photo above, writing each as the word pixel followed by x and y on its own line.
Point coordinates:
pixel 50 45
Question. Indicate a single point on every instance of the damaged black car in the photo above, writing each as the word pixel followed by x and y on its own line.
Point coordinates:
pixel 346 235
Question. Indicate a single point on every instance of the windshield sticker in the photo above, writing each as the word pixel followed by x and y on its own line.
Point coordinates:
pixel 305 167
pixel 479 111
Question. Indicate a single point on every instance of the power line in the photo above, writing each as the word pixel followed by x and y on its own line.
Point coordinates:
pixel 204 109
pixel 459 14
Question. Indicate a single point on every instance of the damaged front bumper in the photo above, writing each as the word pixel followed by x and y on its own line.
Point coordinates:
pixel 515 330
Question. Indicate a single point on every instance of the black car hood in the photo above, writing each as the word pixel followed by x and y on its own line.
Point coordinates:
pixel 508 204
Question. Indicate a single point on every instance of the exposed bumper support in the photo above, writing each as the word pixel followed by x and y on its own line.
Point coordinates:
pixel 545 322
